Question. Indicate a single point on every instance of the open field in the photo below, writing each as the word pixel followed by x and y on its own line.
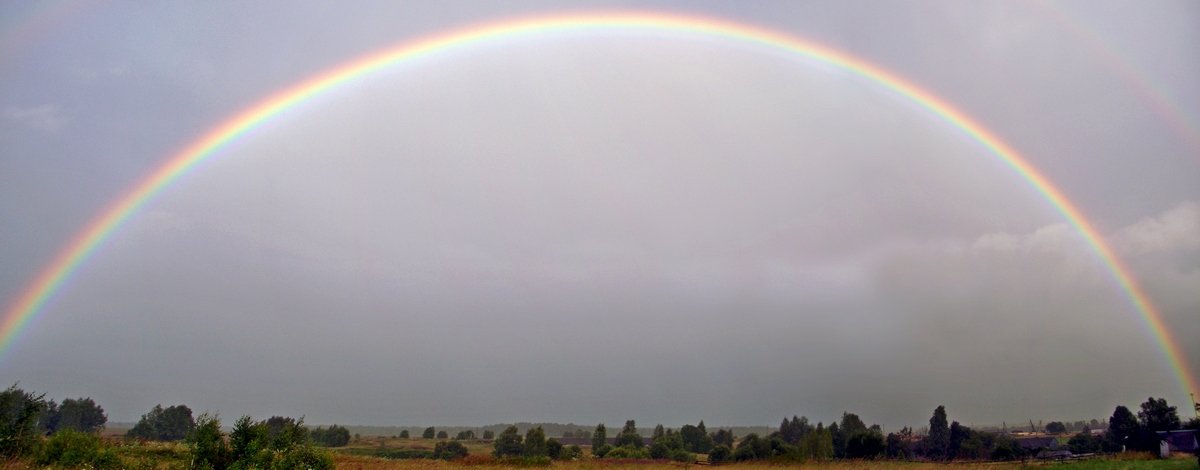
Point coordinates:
pixel 348 462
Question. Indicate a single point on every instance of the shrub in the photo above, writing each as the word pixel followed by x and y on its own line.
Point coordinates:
pixel 680 455
pixel 19 414
pixel 429 433
pixel 449 450
pixel 74 449
pixel 602 450
pixel 554 449
pixel 571 452
pixel 209 451
pixel 628 452
pixel 719 454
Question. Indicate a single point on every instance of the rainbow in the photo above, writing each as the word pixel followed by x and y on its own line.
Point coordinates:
pixel 53 276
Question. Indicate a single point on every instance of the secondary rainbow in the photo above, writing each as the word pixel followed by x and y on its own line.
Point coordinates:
pixel 52 277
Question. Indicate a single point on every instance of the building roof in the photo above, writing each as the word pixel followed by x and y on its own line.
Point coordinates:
pixel 1180 441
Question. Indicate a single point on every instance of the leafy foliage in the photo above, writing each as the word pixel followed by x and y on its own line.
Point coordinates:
pixel 599 438
pixel 277 443
pixel 629 436
pixel 937 442
pixel 170 424
pixel 449 450
pixel 80 414
pixel 70 448
pixel 19 414
pixel 508 443
pixel 429 433
pixel 334 436
pixel 535 443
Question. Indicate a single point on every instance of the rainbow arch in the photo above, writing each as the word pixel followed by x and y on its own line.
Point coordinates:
pixel 31 300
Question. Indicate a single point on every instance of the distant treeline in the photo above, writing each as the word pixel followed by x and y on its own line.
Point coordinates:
pixel 65 435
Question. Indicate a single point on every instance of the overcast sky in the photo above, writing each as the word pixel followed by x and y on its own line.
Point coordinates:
pixel 603 226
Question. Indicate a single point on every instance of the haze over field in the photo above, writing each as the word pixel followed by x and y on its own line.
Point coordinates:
pixel 605 225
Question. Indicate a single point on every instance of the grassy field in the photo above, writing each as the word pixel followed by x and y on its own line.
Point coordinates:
pixel 395 454
pixel 349 462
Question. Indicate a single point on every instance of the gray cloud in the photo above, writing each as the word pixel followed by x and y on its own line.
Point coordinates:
pixel 46 117
pixel 604 226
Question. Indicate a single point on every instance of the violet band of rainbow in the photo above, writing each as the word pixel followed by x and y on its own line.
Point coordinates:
pixel 67 261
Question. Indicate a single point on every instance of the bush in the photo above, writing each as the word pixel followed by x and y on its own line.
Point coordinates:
pixel 209 451
pixel 74 449
pixel 404 434
pixel 554 449
pixel 449 450
pixel 628 452
pixel 680 455
pixel 19 414
pixel 602 450
pixel 719 454
pixel 572 452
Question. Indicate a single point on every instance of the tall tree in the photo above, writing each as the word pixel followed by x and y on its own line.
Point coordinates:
pixel 429 433
pixel 599 437
pixel 1156 415
pixel 937 443
pixel 535 443
pixel 508 443
pixel 629 436
pixel 1121 426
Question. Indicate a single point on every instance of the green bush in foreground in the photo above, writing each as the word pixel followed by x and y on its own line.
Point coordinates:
pixel 73 449
pixel 19 414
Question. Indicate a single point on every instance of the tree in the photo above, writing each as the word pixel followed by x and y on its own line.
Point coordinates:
pixel 752 447
pixel 958 434
pixel 81 414
pixel 442 434
pixel 20 412
pixel 629 436
pixel 1056 427
pixel 1157 416
pixel 404 434
pixel 695 439
pixel 488 434
pixel 429 433
pixel 599 437
pixel 508 443
pixel 723 437
pixel 208 447
pixel 335 436
pixel 658 433
pixel 937 443
pixel 535 443
pixel 1084 443
pixel 1121 426
pixel 554 449
pixel 170 424
pixel 465 435
pixel 719 454
pixel 864 445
